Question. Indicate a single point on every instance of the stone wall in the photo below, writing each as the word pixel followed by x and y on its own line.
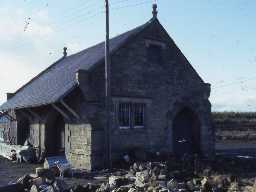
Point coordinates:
pixel 78 145
pixel 165 87
pixel 168 86
pixel 37 136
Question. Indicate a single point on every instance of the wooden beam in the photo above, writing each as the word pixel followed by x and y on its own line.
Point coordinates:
pixel 7 115
pixel 70 109
pixel 35 115
pixel 60 111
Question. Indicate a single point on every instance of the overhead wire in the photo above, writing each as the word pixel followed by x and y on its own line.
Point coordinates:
pixel 241 81
pixel 87 15
pixel 64 25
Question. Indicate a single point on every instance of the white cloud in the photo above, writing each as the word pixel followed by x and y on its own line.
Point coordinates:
pixel 24 54
pixel 21 55
pixel 14 73
pixel 234 100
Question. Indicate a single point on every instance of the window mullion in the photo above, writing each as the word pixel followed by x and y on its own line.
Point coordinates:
pixel 130 115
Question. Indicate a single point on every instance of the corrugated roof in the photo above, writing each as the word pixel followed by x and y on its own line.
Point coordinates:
pixel 58 79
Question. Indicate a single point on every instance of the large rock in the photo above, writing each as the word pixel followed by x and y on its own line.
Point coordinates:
pixel 117 181
pixel 135 167
pixel 26 181
pixel 191 186
pixel 132 190
pixel 103 188
pixel 125 188
pixel 163 190
pixel 156 170
pixel 39 181
pixel 206 186
pixel 162 184
pixel 233 187
pixel 162 177
pixel 60 186
pixel 172 185
pixel 130 177
pixel 34 188
pixel 49 188
pixel 142 178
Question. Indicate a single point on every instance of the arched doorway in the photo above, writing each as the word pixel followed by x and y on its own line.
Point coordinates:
pixel 55 135
pixel 23 131
pixel 186 133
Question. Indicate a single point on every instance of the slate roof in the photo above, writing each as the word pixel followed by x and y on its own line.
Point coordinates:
pixel 59 79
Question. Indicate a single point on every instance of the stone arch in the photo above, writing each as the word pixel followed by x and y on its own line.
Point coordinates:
pixel 191 111
pixel 55 134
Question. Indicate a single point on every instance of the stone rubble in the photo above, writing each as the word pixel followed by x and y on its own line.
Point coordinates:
pixel 140 177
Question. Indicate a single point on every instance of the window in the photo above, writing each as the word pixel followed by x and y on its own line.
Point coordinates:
pixel 154 53
pixel 131 115
pixel 139 115
pixel 124 115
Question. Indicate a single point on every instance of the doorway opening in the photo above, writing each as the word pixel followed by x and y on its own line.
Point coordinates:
pixel 186 133
pixel 55 136
pixel 23 131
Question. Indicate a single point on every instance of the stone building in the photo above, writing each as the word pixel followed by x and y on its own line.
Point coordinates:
pixel 158 101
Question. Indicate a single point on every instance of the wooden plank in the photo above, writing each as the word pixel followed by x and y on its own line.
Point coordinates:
pixel 70 109
pixel 60 111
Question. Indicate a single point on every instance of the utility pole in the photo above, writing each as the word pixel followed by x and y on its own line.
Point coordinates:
pixel 108 160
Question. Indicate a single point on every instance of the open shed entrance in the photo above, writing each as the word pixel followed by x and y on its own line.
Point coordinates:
pixel 23 131
pixel 55 136
pixel 186 133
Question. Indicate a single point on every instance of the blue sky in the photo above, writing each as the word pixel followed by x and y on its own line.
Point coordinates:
pixel 217 37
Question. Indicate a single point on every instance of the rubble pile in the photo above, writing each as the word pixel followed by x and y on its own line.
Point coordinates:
pixel 155 177
pixel 150 177
pixel 169 176
pixel 44 181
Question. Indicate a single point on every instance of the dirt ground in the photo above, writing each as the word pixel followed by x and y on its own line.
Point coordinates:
pixel 11 171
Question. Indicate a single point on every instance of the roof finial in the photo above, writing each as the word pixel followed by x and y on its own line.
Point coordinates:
pixel 154 12
pixel 65 51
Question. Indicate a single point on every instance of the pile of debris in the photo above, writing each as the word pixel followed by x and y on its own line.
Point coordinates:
pixel 151 177
pixel 170 176
pixel 155 177
pixel 44 180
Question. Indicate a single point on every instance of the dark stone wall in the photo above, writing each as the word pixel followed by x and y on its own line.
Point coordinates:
pixel 166 88
pixel 169 86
